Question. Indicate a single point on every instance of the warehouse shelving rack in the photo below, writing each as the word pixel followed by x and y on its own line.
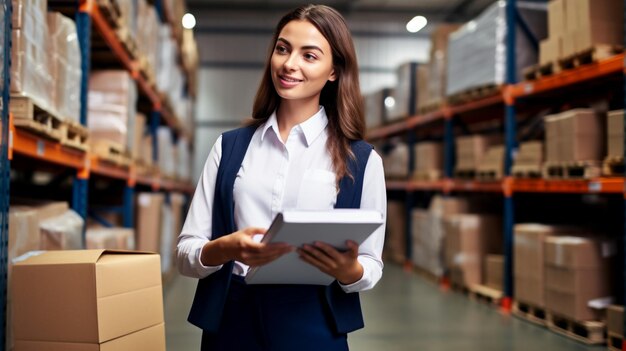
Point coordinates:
pixel 507 101
pixel 40 150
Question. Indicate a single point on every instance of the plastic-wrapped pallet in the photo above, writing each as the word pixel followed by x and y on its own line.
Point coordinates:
pixel 477 51
pixel 30 54
pixel 396 162
pixel 167 158
pixel 405 92
pixel 167 238
pixel 110 238
pixel 183 168
pixel 64 232
pixel 436 86
pixel 128 9
pixel 166 59
pixel 147 41
pixel 375 108
pixel 66 65
pixel 112 106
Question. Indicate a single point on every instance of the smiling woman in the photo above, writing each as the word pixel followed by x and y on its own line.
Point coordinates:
pixel 303 150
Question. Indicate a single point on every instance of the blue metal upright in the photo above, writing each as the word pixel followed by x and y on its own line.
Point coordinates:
pixel 128 213
pixel 510 142
pixel 5 167
pixel 155 121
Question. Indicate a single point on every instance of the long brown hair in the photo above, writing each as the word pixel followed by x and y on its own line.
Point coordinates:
pixel 341 98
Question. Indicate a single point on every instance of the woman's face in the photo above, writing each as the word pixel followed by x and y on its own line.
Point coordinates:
pixel 302 62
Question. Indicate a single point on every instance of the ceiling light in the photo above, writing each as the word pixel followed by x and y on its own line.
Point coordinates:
pixel 189 21
pixel 390 102
pixel 416 24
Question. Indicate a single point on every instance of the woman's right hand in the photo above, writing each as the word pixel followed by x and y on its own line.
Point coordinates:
pixel 240 246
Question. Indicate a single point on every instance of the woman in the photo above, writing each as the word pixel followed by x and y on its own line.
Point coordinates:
pixel 303 150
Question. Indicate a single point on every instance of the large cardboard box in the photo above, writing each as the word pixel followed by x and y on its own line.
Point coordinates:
pixel 494 271
pixel 468 239
pixel 149 339
pixel 556 18
pixel 148 228
pixel 428 156
pixel 88 296
pixel 549 50
pixel 615 132
pixel 584 134
pixel 471 149
pixel 615 320
pixel 553 137
pixel 395 238
pixel 530 154
pixel 599 23
pixel 577 271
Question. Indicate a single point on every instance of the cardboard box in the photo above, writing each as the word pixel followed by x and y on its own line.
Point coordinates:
pixel 568 43
pixel 556 18
pixel 148 224
pixel 100 238
pixel 553 137
pixel 149 339
pixel 548 50
pixel 599 23
pixel 494 271
pixel 468 239
pixel 90 296
pixel 615 320
pixel 530 290
pixel 395 238
pixel 493 160
pixel 615 131
pixel 576 252
pixel 428 156
pixel 137 139
pixel 584 134
pixel 471 150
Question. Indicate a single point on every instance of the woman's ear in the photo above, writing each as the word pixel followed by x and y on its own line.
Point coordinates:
pixel 332 77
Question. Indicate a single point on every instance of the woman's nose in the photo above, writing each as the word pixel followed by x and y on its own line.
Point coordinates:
pixel 290 62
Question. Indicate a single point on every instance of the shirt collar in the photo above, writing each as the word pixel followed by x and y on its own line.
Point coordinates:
pixel 311 128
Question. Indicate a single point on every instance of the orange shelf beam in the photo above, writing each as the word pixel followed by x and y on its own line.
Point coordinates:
pixel 27 144
pixel 477 104
pixel 106 169
pixel 475 186
pixel 396 184
pixel 612 65
pixel 438 185
pixel 600 185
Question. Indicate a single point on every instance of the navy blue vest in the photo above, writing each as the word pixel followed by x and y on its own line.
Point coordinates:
pixel 210 297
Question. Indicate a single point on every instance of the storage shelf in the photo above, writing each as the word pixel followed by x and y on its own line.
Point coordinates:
pixel 476 186
pixel 103 168
pixel 611 66
pixel 30 145
pixel 600 185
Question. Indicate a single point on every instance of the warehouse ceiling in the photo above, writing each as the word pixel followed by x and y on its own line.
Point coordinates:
pixel 437 10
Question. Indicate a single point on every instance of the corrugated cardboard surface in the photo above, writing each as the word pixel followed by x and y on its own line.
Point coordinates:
pixel 615 319
pixel 149 339
pixel 494 270
pixel 90 296
pixel 556 18
pixel 395 243
pixel 599 22
pixel 530 290
pixel 584 133
pixel 615 131
pixel 578 252
pixel 428 156
pixel 148 221
pixel 530 153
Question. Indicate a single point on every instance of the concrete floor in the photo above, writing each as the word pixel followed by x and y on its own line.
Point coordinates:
pixel 403 313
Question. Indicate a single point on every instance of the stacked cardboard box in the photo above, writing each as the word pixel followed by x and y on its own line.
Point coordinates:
pixel 428 160
pixel 471 150
pixel 137 138
pixel 428 232
pixel 492 164
pixel 575 135
pixel 396 162
pixel 529 158
pixel 577 271
pixel 114 238
pixel 167 155
pixel 148 224
pixel 615 132
pixel 147 41
pixel 529 262
pixel 404 93
pixel 395 237
pixel 190 57
pixel 112 107
pixel 469 237
pixel 183 160
pixel 62 232
pixel 494 271
pixel 30 54
pixel 93 300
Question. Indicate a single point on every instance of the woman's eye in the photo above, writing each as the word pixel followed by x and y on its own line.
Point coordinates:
pixel 310 57
pixel 281 49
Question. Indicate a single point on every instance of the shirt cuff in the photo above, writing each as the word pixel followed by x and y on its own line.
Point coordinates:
pixel 356 286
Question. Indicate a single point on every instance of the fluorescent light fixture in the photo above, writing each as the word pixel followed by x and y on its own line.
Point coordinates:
pixel 390 102
pixel 416 24
pixel 189 21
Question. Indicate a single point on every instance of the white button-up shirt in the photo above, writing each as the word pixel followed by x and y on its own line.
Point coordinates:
pixel 274 176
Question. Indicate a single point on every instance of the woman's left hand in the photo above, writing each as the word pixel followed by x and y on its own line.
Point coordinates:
pixel 344 266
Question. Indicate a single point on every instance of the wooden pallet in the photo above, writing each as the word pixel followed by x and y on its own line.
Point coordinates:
pixel 527 171
pixel 572 170
pixel 613 166
pixel 428 175
pixel 468 174
pixel 483 293
pixel 111 11
pixel 75 135
pixel 128 42
pixel 538 71
pixel 489 175
pixel 530 313
pixel 27 114
pixel 110 152
pixel 463 290
pixel 591 55
pixel 474 94
pixel 615 341
pixel 590 333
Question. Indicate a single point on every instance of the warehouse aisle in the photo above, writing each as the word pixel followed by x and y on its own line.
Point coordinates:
pixel 403 313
